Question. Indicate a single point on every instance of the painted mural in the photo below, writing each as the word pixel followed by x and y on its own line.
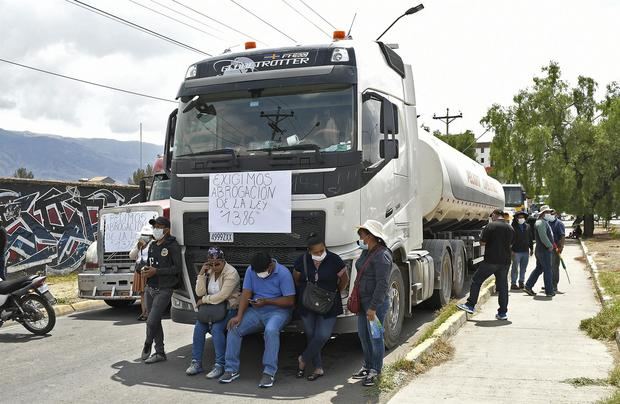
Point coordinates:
pixel 50 224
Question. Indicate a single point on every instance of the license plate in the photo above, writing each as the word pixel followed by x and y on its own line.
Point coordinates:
pixel 221 237
pixel 43 288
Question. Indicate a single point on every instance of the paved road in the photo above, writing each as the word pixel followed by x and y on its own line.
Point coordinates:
pixel 94 356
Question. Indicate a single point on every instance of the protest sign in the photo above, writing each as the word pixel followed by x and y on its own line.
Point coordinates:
pixel 250 202
pixel 121 229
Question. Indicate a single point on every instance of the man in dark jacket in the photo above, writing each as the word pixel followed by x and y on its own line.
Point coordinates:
pixel 3 239
pixel 162 276
pixel 522 249
pixel 497 237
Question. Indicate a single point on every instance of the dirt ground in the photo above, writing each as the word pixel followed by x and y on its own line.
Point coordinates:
pixel 605 249
pixel 64 288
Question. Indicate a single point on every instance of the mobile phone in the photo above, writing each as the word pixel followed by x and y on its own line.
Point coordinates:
pixel 253 301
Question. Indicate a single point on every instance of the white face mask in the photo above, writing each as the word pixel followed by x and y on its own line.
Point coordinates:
pixel 263 275
pixel 547 218
pixel 362 245
pixel 158 234
pixel 146 239
pixel 320 258
pixel 551 218
pixel 521 221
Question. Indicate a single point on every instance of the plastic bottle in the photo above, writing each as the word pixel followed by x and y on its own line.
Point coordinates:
pixel 376 328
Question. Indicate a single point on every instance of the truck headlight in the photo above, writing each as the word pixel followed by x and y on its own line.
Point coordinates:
pixel 191 72
pixel 340 55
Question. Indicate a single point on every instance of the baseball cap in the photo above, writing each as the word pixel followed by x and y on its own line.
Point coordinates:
pixel 162 221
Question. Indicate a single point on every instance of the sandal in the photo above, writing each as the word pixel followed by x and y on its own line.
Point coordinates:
pixel 300 372
pixel 314 376
pixel 142 317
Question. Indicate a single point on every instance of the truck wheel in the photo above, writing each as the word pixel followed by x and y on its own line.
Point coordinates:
pixel 395 315
pixel 119 303
pixel 458 267
pixel 443 266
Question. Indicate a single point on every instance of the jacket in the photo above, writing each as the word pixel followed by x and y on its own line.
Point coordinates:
pixel 523 241
pixel 167 260
pixel 373 284
pixel 229 282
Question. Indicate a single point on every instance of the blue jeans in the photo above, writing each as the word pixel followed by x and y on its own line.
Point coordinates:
pixel 271 321
pixel 374 348
pixel 484 271
pixel 318 329
pixel 519 263
pixel 543 266
pixel 218 335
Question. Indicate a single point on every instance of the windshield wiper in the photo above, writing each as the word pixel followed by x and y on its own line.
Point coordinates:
pixel 316 148
pixel 211 152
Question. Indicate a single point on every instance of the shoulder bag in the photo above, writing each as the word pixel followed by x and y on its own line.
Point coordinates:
pixel 354 303
pixel 212 313
pixel 315 298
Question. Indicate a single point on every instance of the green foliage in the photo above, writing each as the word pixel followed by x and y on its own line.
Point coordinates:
pixel 603 326
pixel 23 173
pixel 140 173
pixel 464 142
pixel 561 141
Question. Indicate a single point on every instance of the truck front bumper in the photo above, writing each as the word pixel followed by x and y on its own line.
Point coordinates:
pixel 107 286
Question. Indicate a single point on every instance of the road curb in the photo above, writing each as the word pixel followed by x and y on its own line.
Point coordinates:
pixel 449 327
pixel 603 297
pixel 64 309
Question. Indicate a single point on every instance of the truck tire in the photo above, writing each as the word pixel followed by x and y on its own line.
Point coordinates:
pixel 459 266
pixel 443 265
pixel 119 303
pixel 395 315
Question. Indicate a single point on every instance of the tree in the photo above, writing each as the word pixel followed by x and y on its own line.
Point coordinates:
pixel 23 173
pixel 141 173
pixel 560 141
pixel 464 142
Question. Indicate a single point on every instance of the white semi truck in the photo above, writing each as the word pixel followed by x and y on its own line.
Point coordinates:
pixel 341 117
pixel 108 271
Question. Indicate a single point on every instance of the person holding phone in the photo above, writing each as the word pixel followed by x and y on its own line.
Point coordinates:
pixel 140 253
pixel 266 303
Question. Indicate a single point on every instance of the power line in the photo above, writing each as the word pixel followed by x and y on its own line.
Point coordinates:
pixel 320 16
pixel 219 22
pixel 113 17
pixel 186 16
pixel 85 81
pixel 306 18
pixel 175 19
pixel 265 22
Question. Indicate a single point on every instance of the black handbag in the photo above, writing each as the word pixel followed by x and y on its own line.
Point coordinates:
pixel 212 313
pixel 315 298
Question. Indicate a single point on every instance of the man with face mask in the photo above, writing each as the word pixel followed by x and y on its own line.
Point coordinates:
pixel 162 276
pixel 559 233
pixel 266 304
pixel 543 251
pixel 497 237
pixel 522 245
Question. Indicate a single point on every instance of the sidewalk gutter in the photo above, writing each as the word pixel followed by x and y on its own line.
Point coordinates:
pixel 449 327
pixel 64 309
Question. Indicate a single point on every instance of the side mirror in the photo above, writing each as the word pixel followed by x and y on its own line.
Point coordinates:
pixel 170 132
pixel 387 122
pixel 143 194
pixel 388 149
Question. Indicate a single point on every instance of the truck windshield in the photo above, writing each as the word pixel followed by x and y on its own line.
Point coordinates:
pixel 513 196
pixel 284 120
pixel 160 189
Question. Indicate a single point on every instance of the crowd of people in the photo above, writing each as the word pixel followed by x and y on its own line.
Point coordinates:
pixel 229 308
pixel 513 244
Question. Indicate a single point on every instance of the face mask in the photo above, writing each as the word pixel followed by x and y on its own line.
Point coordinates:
pixel 319 258
pixel 551 218
pixel 146 239
pixel 521 221
pixel 263 275
pixel 362 245
pixel 158 234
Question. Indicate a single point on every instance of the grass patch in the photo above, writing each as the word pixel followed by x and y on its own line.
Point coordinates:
pixel 611 282
pixel 614 376
pixel 586 381
pixel 401 370
pixel 441 316
pixel 55 279
pixel 603 326
pixel 613 399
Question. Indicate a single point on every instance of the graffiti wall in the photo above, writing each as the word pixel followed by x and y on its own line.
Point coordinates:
pixel 50 224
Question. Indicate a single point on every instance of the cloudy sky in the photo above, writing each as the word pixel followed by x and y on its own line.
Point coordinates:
pixel 466 55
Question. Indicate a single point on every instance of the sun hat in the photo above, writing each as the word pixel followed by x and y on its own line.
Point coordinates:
pixel 374 227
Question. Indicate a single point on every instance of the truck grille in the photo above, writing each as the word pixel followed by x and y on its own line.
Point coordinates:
pixel 117 259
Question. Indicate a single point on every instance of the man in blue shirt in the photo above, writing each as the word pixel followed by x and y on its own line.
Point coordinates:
pixel 265 305
pixel 559 234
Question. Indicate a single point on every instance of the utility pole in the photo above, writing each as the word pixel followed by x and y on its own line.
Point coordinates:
pixel 140 144
pixel 448 118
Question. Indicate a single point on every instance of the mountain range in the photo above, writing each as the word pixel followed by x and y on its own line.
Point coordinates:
pixel 53 157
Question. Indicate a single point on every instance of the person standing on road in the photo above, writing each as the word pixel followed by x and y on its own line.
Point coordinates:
pixel 140 253
pixel 497 237
pixel 162 276
pixel 373 270
pixel 3 240
pixel 543 250
pixel 217 283
pixel 522 250
pixel 327 270
pixel 270 290
pixel 559 234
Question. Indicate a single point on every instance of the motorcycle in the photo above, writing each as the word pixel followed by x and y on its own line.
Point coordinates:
pixel 28 301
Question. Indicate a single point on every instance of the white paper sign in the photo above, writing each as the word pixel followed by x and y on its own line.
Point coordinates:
pixel 250 202
pixel 120 229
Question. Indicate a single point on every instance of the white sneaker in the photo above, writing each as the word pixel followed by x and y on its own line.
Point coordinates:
pixel 216 372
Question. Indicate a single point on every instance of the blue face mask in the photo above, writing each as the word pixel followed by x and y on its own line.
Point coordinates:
pixel 362 245
pixel 551 218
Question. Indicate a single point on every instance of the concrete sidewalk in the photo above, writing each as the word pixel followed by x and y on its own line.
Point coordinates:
pixel 524 359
